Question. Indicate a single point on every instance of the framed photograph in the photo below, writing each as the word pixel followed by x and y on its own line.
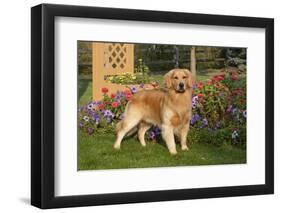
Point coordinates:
pixel 140 106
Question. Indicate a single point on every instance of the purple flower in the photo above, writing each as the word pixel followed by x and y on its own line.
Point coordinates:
pixel 194 86
pixel 90 106
pixel 118 96
pixel 194 101
pixel 195 118
pixel 97 121
pixel 157 130
pixel 107 113
pixel 204 123
pixel 152 135
pixel 90 130
pixel 233 111
pixel 142 85
pixel 133 89
pixel 96 118
pixel 81 124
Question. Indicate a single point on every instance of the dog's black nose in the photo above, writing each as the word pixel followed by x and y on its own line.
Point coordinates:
pixel 181 85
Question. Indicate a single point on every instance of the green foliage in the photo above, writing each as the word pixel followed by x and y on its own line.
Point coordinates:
pixel 218 137
pixel 129 78
pixel 140 67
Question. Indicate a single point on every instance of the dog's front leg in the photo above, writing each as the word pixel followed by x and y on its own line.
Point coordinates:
pixel 168 136
pixel 183 136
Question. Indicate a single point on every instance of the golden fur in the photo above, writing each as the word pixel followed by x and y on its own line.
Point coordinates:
pixel 168 108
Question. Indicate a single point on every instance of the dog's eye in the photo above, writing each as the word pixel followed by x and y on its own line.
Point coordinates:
pixel 176 77
pixel 184 77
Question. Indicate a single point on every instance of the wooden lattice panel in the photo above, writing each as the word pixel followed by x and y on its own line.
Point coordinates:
pixel 116 56
pixel 110 59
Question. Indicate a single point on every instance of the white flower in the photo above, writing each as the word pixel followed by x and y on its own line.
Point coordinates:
pixel 86 118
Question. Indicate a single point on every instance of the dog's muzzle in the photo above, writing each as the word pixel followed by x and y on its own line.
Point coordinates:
pixel 181 87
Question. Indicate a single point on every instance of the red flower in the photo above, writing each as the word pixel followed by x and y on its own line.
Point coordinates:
pixel 237 91
pixel 209 82
pixel 101 106
pixel 218 78
pixel 104 90
pixel 112 95
pixel 114 104
pixel 199 85
pixel 234 77
pixel 199 95
pixel 127 92
pixel 128 96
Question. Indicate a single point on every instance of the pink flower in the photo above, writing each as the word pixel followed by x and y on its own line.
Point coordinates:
pixel 128 96
pixel 114 104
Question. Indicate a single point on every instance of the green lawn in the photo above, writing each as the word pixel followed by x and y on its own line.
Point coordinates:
pixel 96 152
pixel 85 90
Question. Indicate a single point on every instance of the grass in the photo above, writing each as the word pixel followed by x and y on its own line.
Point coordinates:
pixel 85 90
pixel 96 152
pixel 204 75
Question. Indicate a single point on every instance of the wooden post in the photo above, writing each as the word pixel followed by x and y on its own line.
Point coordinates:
pixel 193 62
pixel 97 69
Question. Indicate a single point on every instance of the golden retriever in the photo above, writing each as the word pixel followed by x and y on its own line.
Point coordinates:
pixel 168 108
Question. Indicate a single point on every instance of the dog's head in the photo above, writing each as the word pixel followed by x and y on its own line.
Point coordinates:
pixel 179 80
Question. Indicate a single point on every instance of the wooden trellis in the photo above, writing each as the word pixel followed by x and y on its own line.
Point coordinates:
pixel 110 59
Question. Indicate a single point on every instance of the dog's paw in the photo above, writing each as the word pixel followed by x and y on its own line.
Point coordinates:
pixel 184 148
pixel 143 144
pixel 173 152
pixel 116 146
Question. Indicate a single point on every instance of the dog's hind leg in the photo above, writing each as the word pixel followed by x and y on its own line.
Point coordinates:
pixel 143 127
pixel 129 122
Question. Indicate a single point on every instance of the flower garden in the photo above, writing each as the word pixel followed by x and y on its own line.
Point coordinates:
pixel 219 111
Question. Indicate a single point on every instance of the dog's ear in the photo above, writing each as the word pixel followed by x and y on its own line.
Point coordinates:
pixel 189 82
pixel 168 79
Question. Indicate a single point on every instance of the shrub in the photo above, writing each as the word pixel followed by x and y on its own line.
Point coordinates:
pixel 128 78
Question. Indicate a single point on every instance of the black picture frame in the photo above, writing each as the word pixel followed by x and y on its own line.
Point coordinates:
pixel 43 105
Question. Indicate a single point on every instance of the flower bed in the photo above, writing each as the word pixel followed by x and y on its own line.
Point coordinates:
pixel 218 106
